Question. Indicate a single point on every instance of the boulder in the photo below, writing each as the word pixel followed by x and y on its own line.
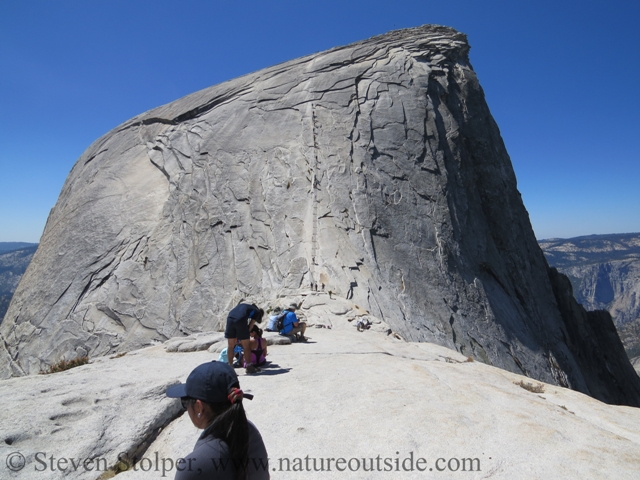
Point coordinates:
pixel 196 342
pixel 274 338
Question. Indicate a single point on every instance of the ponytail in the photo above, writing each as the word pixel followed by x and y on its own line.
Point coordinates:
pixel 230 426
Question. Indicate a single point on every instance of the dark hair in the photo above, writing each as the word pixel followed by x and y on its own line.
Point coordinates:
pixel 230 425
pixel 257 330
pixel 259 313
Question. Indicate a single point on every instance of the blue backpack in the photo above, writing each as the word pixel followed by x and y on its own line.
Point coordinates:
pixel 280 320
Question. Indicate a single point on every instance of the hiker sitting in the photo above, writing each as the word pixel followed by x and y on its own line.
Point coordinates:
pixel 273 320
pixel 291 326
pixel 258 347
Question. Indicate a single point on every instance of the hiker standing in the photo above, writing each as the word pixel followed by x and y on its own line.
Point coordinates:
pixel 240 321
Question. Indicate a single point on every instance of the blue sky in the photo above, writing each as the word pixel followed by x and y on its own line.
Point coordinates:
pixel 561 79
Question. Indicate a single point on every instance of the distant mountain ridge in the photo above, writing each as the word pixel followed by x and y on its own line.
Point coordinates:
pixel 605 274
pixel 10 246
pixel 591 249
pixel 14 260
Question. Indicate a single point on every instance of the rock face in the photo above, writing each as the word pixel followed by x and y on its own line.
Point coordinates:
pixel 592 338
pixel 375 169
pixel 630 336
pixel 605 273
pixel 13 264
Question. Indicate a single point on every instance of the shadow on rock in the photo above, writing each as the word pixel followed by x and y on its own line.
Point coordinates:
pixel 273 369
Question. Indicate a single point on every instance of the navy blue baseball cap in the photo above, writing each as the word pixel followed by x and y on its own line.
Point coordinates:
pixel 210 382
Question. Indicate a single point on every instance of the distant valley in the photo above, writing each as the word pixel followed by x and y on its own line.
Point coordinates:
pixel 605 273
pixel 14 260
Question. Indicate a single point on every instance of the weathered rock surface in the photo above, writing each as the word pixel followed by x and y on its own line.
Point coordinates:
pixel 13 264
pixel 636 363
pixel 101 410
pixel 356 395
pixel 630 336
pixel 375 169
pixel 605 273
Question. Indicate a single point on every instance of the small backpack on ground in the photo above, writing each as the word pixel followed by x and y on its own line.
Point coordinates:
pixel 238 356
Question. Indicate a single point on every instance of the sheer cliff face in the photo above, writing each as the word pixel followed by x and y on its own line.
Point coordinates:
pixel 375 169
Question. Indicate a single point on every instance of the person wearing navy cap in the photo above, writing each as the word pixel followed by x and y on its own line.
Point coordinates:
pixel 230 447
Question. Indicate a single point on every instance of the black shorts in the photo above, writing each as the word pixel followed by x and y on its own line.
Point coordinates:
pixel 237 328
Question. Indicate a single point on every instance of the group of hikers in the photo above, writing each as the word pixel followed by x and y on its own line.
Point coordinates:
pixel 242 333
pixel 213 400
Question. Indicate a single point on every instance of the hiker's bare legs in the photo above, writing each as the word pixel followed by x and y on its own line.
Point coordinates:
pixel 231 343
pixel 246 347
